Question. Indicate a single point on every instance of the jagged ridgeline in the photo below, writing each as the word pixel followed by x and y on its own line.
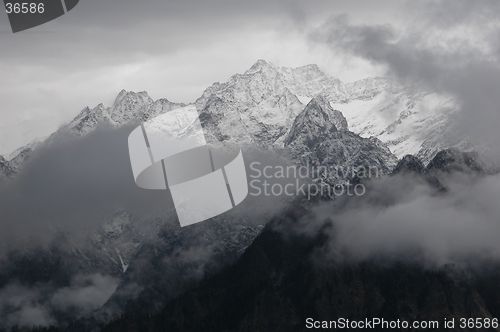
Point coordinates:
pixel 261 105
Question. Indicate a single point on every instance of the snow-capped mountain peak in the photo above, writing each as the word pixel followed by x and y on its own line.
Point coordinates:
pixel 129 105
pixel 317 121
pixel 260 65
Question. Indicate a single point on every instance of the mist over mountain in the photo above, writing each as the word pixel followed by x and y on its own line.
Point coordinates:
pixel 89 228
pixel 377 255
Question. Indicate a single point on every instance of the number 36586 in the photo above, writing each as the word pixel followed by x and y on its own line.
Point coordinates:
pixel 25 8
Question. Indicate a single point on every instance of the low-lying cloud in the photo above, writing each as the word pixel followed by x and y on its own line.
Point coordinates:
pixel 85 294
pixel 72 185
pixel 43 305
pixel 405 219
pixel 19 306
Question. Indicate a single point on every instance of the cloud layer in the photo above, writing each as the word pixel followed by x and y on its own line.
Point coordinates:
pixel 72 186
pixel 42 305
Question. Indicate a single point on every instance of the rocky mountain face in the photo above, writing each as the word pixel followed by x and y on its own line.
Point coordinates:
pixel 121 237
pixel 409 164
pixel 128 107
pixel 176 261
pixel 448 161
pixel 453 160
pixel 10 166
pixel 317 121
pixel 5 168
pixel 255 107
pixel 319 136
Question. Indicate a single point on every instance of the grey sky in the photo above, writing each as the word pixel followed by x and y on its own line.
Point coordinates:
pixel 171 49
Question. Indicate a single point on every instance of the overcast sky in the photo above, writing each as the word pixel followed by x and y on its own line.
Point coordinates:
pixel 171 49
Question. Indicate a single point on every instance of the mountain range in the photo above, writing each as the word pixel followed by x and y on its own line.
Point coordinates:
pixel 261 105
